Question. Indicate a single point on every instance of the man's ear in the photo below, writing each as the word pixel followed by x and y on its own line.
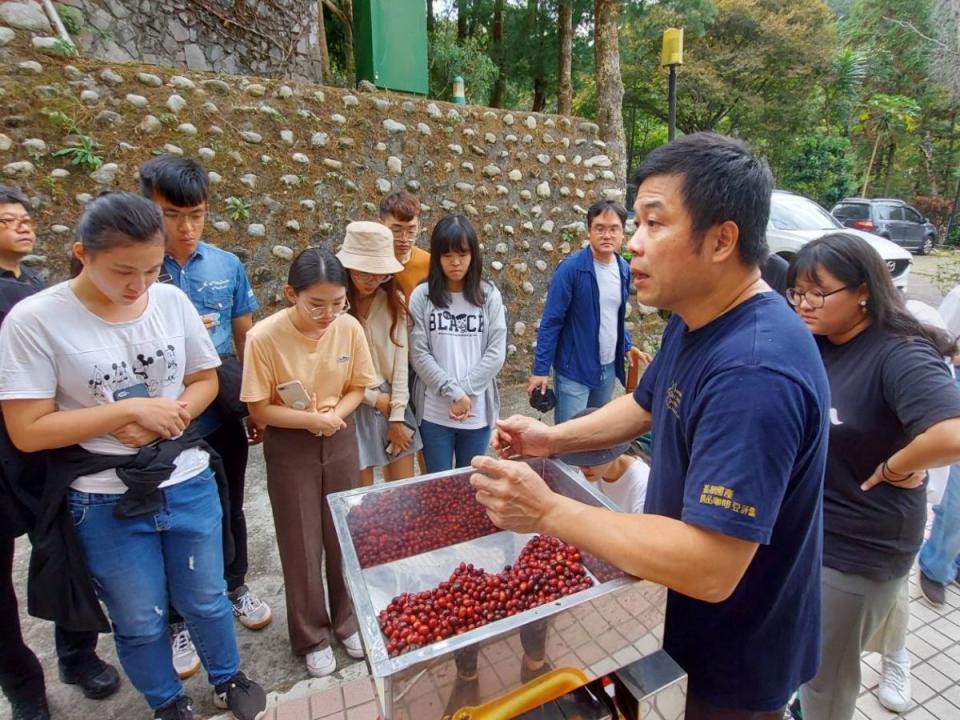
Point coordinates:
pixel 723 241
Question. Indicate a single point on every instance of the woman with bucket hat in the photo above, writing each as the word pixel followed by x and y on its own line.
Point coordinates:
pixel 386 429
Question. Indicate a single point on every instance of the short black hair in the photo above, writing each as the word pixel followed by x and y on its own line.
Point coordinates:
pixel 10 195
pixel 117 219
pixel 599 208
pixel 722 180
pixel 178 180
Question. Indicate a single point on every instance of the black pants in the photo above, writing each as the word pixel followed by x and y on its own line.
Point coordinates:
pixel 20 671
pixel 230 442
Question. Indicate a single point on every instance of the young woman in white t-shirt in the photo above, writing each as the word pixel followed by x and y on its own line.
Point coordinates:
pixel 112 362
pixel 458 345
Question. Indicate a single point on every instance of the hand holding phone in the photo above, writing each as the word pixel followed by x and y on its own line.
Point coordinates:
pixel 294 395
pixel 399 438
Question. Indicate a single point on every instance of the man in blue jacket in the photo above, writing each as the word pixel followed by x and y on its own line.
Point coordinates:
pixel 581 335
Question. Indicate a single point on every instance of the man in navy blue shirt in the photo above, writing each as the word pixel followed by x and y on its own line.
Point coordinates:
pixel 217 284
pixel 738 402
pixel 581 334
pixel 21 676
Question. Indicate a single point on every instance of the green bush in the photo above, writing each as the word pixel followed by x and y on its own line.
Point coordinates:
pixel 466 58
pixel 820 167
pixel 84 155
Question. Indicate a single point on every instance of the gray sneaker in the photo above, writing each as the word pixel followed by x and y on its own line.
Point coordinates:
pixel 252 612
pixel 185 659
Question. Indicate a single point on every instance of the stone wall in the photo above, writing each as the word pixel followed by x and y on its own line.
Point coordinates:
pixel 276 38
pixel 291 164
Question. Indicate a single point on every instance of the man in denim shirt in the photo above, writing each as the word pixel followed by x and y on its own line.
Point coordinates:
pixel 581 334
pixel 217 284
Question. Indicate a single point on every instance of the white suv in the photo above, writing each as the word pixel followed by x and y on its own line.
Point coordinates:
pixel 795 221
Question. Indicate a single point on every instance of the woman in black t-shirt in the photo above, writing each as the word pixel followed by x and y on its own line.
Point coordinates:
pixel 895 411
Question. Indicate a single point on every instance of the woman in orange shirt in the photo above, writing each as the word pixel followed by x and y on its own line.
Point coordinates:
pixel 317 355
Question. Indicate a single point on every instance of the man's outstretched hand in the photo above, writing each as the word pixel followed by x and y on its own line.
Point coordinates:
pixel 521 436
pixel 515 497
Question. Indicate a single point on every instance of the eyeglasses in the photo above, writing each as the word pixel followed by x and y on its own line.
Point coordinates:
pixel 18 222
pixel 405 233
pixel 335 309
pixel 370 277
pixel 814 298
pixel 602 230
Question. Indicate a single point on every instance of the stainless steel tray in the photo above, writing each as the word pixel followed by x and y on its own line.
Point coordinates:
pixel 616 621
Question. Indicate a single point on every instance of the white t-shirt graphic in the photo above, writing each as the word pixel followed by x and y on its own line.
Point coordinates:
pixel 456 341
pixel 52 346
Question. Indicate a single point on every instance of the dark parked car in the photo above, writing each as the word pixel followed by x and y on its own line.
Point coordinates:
pixel 892 219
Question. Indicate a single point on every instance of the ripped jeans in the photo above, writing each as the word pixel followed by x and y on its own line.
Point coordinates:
pixel 138 564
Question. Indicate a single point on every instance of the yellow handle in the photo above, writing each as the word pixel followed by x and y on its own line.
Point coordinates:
pixel 535 693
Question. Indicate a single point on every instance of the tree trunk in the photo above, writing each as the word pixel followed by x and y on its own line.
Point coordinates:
pixel 539 79
pixel 322 44
pixel 565 36
pixel 609 83
pixel 500 84
pixel 888 168
pixel 539 94
pixel 348 39
pixel 462 27
pixel 430 20
pixel 873 156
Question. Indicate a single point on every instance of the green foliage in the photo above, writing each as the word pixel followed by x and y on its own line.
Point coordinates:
pixel 466 58
pixel 167 118
pixel 71 18
pixel 65 48
pixel 61 120
pixel 821 168
pixel 238 209
pixel 83 155
pixel 49 183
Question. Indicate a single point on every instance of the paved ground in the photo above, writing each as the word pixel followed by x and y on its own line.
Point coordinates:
pixel 934 640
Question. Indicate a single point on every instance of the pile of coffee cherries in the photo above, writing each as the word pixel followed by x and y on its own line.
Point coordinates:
pixel 413 519
pixel 547 569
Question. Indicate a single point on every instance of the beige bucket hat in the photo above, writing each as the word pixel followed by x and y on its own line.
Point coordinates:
pixel 368 247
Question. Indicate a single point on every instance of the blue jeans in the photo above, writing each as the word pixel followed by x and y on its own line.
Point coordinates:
pixel 940 554
pixel 441 444
pixel 572 397
pixel 139 564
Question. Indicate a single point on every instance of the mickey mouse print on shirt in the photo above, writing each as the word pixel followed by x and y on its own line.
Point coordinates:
pixel 155 367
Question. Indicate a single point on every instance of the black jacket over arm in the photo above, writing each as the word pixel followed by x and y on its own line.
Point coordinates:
pixel 59 585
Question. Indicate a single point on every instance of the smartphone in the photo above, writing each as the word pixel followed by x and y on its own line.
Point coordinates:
pixel 390 449
pixel 294 395
pixel 133 391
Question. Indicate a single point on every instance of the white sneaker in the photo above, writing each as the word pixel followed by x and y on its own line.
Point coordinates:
pixel 252 612
pixel 894 691
pixel 353 646
pixel 185 659
pixel 321 662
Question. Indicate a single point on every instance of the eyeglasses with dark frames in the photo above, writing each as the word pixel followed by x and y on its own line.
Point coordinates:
pixel 814 298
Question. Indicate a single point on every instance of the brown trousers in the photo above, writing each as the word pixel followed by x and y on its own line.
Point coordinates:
pixel 302 469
